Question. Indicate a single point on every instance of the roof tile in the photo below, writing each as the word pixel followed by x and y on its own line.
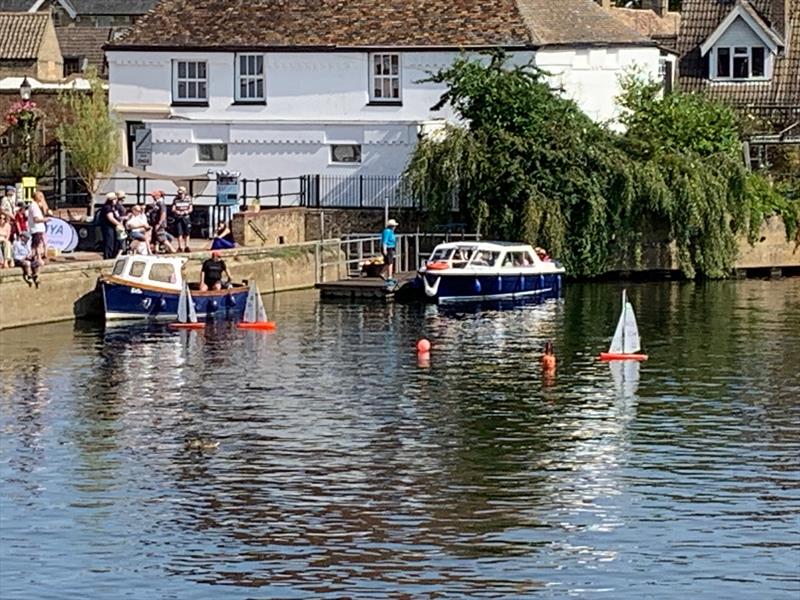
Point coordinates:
pixel 21 35
pixel 376 23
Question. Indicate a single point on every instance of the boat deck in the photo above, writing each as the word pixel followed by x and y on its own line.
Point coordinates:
pixel 364 287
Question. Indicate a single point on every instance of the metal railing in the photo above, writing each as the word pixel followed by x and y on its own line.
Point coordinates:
pixel 412 250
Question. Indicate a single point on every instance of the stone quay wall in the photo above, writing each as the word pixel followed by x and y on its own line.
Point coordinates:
pixel 68 291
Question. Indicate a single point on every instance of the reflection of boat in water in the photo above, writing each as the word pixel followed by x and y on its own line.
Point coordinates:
pixel 626 376
pixel 477 271
pixel 149 287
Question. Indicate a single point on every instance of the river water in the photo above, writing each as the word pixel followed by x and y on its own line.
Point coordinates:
pixel 326 459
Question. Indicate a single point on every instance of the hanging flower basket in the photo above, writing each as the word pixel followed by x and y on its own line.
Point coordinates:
pixel 24 114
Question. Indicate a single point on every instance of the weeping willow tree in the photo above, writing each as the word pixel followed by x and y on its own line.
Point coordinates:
pixel 529 164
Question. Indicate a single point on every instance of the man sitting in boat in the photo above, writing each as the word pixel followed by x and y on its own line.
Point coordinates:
pixel 211 273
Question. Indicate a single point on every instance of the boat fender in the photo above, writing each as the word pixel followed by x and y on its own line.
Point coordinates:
pixel 212 305
pixel 558 283
pixel 431 290
pixel 500 283
pixel 477 286
pixel 230 300
pixel 541 282
pixel 437 266
pixel 522 282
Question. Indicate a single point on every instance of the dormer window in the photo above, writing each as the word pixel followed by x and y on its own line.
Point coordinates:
pixel 743 47
pixel 740 62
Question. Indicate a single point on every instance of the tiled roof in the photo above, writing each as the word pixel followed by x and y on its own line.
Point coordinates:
pixel 649 24
pixel 21 35
pixel 88 7
pixel 376 23
pixel 86 42
pixel 113 7
pixel 778 99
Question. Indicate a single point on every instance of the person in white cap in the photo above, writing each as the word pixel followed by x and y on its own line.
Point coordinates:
pixel 182 211
pixel 388 247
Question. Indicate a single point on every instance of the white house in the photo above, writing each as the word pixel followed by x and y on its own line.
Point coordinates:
pixel 331 87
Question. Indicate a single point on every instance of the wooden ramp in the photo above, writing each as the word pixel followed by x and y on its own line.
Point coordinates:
pixel 364 287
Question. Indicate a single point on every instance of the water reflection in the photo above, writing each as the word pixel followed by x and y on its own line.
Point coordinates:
pixel 329 457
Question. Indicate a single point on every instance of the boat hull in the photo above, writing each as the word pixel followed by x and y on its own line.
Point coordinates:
pixel 449 287
pixel 620 356
pixel 128 302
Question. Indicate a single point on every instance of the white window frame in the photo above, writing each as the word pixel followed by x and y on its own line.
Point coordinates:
pixel 196 80
pixel 250 78
pixel 347 163
pixel 376 60
pixel 732 52
pixel 212 161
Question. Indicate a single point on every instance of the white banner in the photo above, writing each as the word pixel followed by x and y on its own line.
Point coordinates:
pixel 61 235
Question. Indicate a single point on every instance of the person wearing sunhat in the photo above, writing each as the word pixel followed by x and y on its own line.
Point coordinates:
pixel 388 248
pixel 182 211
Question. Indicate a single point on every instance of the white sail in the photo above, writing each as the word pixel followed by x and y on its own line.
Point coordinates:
pixel 186 311
pixel 254 311
pixel 630 339
pixel 626 335
pixel 183 315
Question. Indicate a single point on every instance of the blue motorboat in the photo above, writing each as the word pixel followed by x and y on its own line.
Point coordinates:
pixel 149 287
pixel 476 271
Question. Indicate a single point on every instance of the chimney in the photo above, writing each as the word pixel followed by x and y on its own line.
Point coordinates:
pixel 780 17
pixel 659 7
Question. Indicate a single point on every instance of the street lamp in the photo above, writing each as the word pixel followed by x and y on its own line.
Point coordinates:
pixel 25 89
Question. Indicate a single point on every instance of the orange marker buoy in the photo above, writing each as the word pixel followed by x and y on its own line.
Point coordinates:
pixel 549 357
pixel 423 346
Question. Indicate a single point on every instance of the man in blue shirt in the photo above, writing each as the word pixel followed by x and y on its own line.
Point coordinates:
pixel 388 245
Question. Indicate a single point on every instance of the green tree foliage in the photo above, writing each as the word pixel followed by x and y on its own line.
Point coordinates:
pixel 89 134
pixel 530 165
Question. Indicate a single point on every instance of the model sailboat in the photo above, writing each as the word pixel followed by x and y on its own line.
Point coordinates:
pixel 255 316
pixel 187 316
pixel 625 345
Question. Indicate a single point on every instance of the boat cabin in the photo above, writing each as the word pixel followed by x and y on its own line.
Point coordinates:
pixel 155 271
pixel 495 255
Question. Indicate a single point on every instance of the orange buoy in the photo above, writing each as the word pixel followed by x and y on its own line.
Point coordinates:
pixel 423 346
pixel 549 362
pixel 262 325
pixel 438 265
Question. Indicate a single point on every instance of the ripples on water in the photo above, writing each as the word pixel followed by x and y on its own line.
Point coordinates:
pixel 343 467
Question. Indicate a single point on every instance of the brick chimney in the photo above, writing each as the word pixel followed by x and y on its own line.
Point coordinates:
pixel 780 16
pixel 659 7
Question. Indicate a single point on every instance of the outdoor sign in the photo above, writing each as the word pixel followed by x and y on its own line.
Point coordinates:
pixel 61 235
pixel 28 188
pixel 227 188
pixel 143 148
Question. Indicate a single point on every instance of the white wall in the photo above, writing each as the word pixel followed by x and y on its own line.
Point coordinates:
pixel 316 99
pixel 590 76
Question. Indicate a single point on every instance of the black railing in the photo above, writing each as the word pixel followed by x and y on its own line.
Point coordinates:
pixel 312 191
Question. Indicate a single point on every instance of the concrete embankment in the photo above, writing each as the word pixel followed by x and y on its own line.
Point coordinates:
pixel 68 290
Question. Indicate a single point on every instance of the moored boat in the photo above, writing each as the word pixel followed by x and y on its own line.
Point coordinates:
pixel 475 271
pixel 149 287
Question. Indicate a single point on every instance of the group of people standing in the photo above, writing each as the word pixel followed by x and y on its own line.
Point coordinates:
pixel 146 228
pixel 23 229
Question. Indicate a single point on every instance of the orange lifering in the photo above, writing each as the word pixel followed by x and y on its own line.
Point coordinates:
pixel 187 325
pixel 262 325
pixel 620 356
pixel 437 266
